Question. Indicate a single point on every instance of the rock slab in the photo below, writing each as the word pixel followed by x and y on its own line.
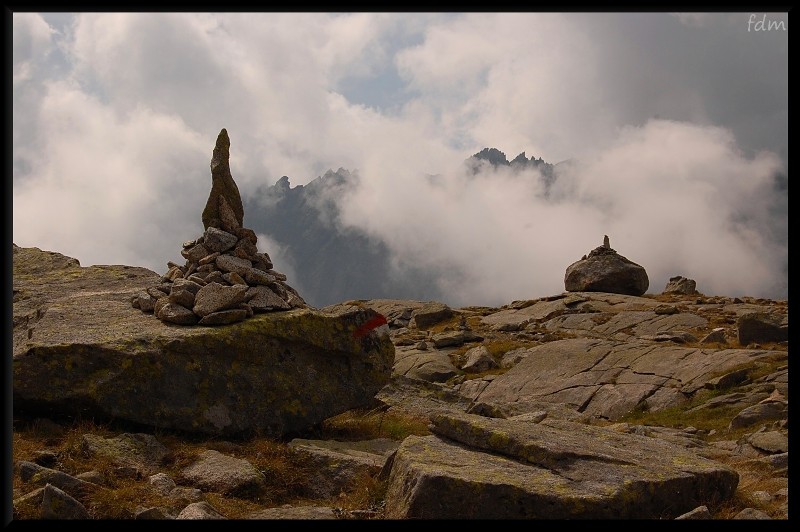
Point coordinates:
pixel 85 351
pixel 482 468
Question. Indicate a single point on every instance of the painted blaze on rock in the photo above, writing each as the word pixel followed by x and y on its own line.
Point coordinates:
pixel 224 192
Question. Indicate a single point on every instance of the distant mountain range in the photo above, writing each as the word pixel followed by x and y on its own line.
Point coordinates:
pixel 331 264
pixel 497 158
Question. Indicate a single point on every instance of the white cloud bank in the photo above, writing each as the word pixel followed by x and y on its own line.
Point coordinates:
pixel 670 195
pixel 115 117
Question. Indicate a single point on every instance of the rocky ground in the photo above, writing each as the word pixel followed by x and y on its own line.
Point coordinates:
pixel 690 370
pixel 586 404
pixel 628 363
pixel 600 402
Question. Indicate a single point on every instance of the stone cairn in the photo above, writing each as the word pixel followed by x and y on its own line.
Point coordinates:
pixel 225 278
pixel 604 270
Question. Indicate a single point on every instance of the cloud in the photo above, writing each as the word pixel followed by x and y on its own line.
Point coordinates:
pixel 674 194
pixel 110 189
pixel 32 41
pixel 669 194
pixel 504 76
pixel 115 116
pixel 702 20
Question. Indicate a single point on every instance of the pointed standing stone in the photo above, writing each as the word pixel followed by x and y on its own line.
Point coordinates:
pixel 223 187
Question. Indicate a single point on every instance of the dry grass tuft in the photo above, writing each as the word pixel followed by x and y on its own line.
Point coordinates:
pixel 375 423
pixel 123 498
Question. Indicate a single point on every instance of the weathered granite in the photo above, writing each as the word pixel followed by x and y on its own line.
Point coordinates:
pixel 550 470
pixel 80 349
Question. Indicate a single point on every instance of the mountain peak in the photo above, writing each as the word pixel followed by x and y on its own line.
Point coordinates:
pixel 496 158
pixel 493 156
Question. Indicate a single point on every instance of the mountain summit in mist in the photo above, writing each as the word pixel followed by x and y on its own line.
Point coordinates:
pixel 497 158
pixel 330 262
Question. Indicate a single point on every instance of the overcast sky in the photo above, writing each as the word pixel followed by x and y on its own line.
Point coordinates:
pixel 675 125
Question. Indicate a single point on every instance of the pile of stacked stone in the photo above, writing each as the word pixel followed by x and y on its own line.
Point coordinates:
pixel 225 278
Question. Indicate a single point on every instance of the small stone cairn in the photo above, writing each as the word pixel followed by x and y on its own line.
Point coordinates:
pixel 225 278
pixel 604 270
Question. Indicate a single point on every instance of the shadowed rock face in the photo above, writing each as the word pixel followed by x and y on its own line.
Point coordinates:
pixel 761 327
pixel 224 192
pixel 81 349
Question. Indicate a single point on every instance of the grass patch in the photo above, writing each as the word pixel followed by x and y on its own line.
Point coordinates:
pixel 599 318
pixel 494 371
pixel 474 322
pixel 124 497
pixel 743 498
pixel 119 497
pixel 496 348
pixel 771 365
pixel 181 454
pixel 232 507
pixel 286 472
pixel 370 424
pixel 678 417
pixel 708 419
pixel 368 492
pixel 450 324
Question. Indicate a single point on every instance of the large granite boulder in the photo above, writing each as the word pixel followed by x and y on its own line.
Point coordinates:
pixel 81 349
pixel 604 270
pixel 475 467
